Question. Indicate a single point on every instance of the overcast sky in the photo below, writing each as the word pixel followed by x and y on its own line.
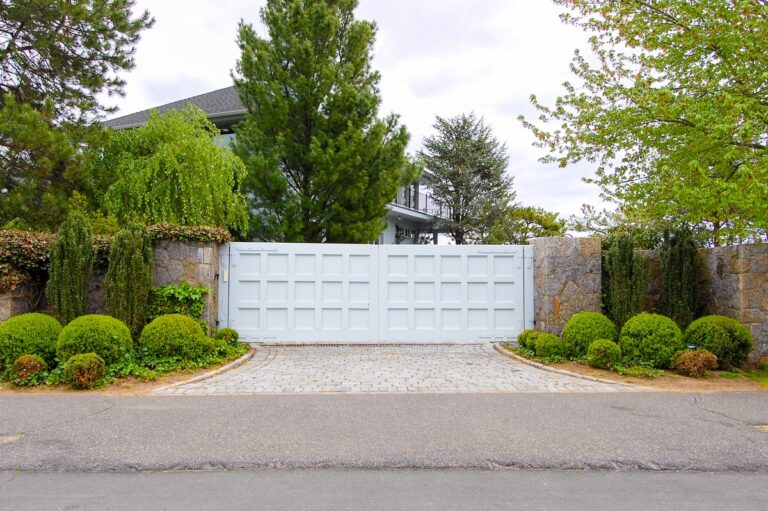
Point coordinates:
pixel 436 57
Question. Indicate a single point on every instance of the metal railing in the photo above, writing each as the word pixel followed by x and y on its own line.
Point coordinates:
pixel 423 202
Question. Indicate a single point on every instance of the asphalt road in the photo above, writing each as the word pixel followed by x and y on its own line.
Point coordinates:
pixel 336 490
pixel 634 431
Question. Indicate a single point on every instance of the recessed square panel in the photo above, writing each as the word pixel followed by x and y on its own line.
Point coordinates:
pixel 249 317
pixel 397 319
pixel 450 292
pixel 304 291
pixel 505 319
pixel 331 319
pixel 277 264
pixel 332 292
pixel 397 292
pixel 450 265
pixel 277 291
pixel 477 319
pixel 424 266
pixel 277 319
pixel 359 265
pixel 359 292
pixel 333 264
pixel 397 265
pixel 504 265
pixel 304 319
pixel 504 292
pixel 248 290
pixel 450 319
pixel 477 265
pixel 477 292
pixel 250 262
pixel 305 264
pixel 424 292
pixel 359 319
pixel 424 319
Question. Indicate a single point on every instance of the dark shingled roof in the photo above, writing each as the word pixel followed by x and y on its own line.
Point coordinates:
pixel 216 104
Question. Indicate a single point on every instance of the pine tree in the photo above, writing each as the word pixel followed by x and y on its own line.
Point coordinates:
pixel 71 257
pixel 322 166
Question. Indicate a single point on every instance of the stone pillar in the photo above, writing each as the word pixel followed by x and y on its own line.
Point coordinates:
pixel 193 262
pixel 566 280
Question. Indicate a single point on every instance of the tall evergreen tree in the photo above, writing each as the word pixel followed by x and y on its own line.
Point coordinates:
pixel 71 256
pixel 321 165
pixel 680 276
pixel 468 176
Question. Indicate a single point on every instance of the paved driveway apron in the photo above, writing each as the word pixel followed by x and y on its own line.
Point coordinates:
pixel 395 368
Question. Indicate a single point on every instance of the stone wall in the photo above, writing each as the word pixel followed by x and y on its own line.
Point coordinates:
pixel 566 280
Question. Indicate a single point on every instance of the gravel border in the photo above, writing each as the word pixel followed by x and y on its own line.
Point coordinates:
pixel 210 374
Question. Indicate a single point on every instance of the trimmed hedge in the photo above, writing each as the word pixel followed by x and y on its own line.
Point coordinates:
pixel 85 370
pixel 651 339
pixel 549 346
pixel 28 334
pixel 583 329
pixel 604 354
pixel 105 336
pixel 174 335
pixel 726 338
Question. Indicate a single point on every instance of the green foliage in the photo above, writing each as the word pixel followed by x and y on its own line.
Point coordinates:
pixel 680 276
pixel 228 335
pixel 673 109
pixel 603 354
pixel 527 339
pixel 521 224
pixel 695 363
pixel 627 279
pixel 583 329
pixel 640 372
pixel 107 337
pixel 28 371
pixel 650 340
pixel 173 335
pixel 84 370
pixel 467 166
pixel 183 298
pixel 129 278
pixel 70 269
pixel 550 348
pixel 321 166
pixel 172 170
pixel 28 334
pixel 204 233
pixel 726 338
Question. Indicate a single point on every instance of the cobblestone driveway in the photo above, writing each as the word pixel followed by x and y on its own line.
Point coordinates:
pixel 396 368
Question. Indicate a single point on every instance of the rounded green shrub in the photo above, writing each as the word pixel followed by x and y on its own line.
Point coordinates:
pixel 28 334
pixel 28 370
pixel 84 370
pixel 228 335
pixel 527 339
pixel 108 337
pixel 695 363
pixel 650 339
pixel 726 338
pixel 603 354
pixel 583 329
pixel 549 346
pixel 174 335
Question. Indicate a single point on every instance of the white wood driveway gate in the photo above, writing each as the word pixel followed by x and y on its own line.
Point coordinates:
pixel 324 293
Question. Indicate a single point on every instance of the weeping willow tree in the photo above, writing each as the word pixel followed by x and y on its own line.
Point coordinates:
pixel 173 171
pixel 71 257
pixel 129 278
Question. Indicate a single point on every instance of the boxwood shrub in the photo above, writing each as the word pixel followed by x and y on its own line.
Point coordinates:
pixel 85 370
pixel 695 363
pixel 549 346
pixel 28 371
pixel 603 354
pixel 108 337
pixel 228 335
pixel 527 339
pixel 650 340
pixel 28 334
pixel 726 338
pixel 174 336
pixel 583 329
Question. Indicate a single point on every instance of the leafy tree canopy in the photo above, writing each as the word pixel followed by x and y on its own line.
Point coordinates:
pixel 673 109
pixel 173 171
pixel 523 223
pixel 321 165
pixel 467 167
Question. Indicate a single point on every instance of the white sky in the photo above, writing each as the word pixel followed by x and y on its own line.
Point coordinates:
pixel 436 57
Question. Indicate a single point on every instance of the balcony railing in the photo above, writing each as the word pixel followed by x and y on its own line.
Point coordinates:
pixel 423 202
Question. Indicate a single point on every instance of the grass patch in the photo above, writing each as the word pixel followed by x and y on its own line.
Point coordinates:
pixel 640 372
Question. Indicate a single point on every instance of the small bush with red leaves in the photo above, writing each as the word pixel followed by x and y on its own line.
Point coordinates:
pixel 695 363
pixel 84 371
pixel 28 371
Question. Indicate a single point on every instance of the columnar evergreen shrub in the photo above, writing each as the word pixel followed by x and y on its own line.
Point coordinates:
pixel 173 336
pixel 129 278
pixel 108 337
pixel 680 276
pixel 650 340
pixel 627 280
pixel 85 370
pixel 28 334
pixel 726 338
pixel 603 354
pixel 584 328
pixel 71 264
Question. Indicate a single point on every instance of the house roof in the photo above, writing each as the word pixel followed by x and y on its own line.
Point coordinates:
pixel 217 104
